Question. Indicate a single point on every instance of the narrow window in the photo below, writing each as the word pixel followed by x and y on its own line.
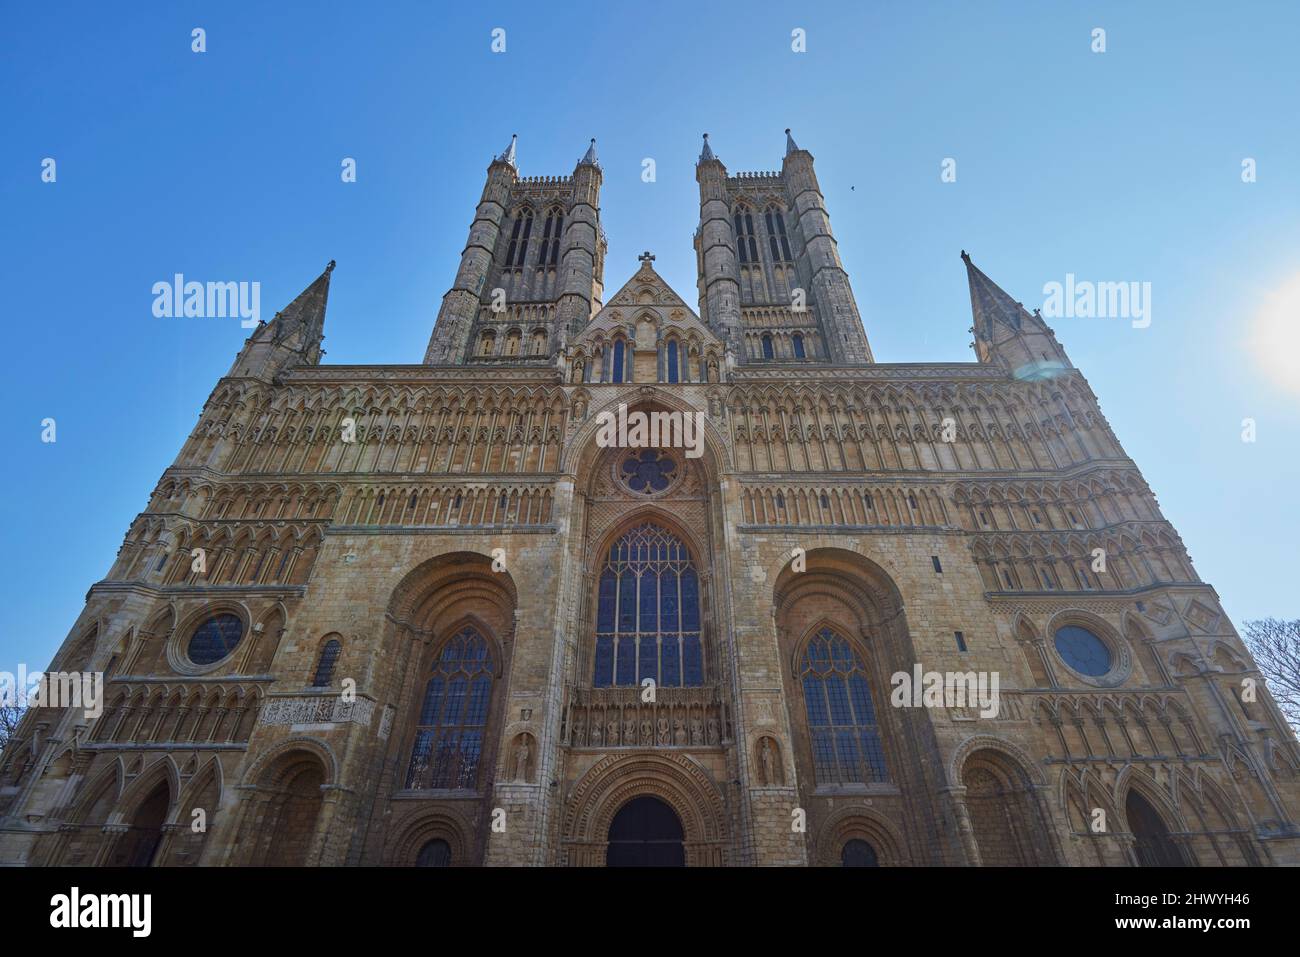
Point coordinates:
pixel 672 360
pixel 911 500
pixel 934 560
pixel 961 641
pixel 329 656
pixel 767 347
pixel 618 360
pixel 797 342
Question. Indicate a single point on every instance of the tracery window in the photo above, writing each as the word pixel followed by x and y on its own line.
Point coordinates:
pixel 777 241
pixel 648 471
pixel 648 612
pixel 453 718
pixel 518 247
pixel 550 251
pixel 842 722
pixel 746 245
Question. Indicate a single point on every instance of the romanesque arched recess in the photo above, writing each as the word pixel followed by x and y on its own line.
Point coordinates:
pixel 676 779
pixel 858 821
pixel 852 597
pixel 436 601
pixel 1004 799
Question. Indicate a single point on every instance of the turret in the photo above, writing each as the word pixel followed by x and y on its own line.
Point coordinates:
pixel 720 278
pixel 460 304
pixel 1008 336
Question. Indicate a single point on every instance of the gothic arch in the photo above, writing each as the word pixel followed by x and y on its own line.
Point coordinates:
pixel 676 779
pixel 579 456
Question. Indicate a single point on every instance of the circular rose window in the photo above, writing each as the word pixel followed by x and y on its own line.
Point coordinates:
pixel 215 639
pixel 647 471
pixel 1083 651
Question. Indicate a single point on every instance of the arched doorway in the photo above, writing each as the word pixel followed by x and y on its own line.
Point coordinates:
pixel 1152 844
pixel 646 832
pixel 295 812
pixel 1004 813
pixel 140 843
pixel 858 853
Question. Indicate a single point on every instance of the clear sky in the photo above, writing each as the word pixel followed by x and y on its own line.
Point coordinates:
pixel 1117 166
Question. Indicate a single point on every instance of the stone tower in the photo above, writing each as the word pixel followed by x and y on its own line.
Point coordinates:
pixel 770 277
pixel 447 614
pixel 535 243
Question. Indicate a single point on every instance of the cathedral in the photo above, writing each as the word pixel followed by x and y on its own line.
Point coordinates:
pixel 865 614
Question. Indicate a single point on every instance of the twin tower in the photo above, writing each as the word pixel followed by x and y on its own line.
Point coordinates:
pixel 770 282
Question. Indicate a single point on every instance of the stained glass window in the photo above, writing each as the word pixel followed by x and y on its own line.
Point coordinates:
pixel 841 717
pixel 648 612
pixel 215 639
pixel 648 471
pixel 453 718
pixel 1083 651
pixel 329 656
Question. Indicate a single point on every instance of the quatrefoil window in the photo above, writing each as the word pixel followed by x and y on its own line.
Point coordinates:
pixel 648 471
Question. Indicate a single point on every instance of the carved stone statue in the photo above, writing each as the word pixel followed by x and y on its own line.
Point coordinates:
pixel 679 732
pixel 664 739
pixel 521 759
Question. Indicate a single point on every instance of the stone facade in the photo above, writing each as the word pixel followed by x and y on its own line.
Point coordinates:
pixel 407 567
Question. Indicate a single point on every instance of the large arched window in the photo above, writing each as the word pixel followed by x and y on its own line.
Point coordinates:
pixel 453 719
pixel 841 717
pixel 776 238
pixel 648 612
pixel 518 247
pixel 746 245
pixel 1152 844
pixel 550 251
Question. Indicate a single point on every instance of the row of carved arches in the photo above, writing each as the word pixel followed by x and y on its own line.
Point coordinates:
pixel 780 344
pixel 821 437
pixel 503 341
pixel 678 358
pixel 293 434
pixel 140 713
pixel 1097 501
pixel 1084 562
pixel 851 505
pixel 448 505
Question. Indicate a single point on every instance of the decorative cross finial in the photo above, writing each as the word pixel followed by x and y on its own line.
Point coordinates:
pixel 646 258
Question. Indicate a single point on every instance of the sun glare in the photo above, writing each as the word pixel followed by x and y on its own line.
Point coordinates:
pixel 1275 335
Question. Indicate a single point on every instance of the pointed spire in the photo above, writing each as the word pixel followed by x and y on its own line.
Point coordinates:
pixel 508 157
pixel 989 303
pixel 790 146
pixel 589 158
pixel 706 154
pixel 306 314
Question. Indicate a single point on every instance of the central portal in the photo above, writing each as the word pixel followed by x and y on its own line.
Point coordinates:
pixel 646 832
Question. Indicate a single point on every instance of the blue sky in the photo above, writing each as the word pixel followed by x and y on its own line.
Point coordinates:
pixel 1115 166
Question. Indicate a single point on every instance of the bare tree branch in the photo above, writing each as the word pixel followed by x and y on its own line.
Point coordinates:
pixel 1276 647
